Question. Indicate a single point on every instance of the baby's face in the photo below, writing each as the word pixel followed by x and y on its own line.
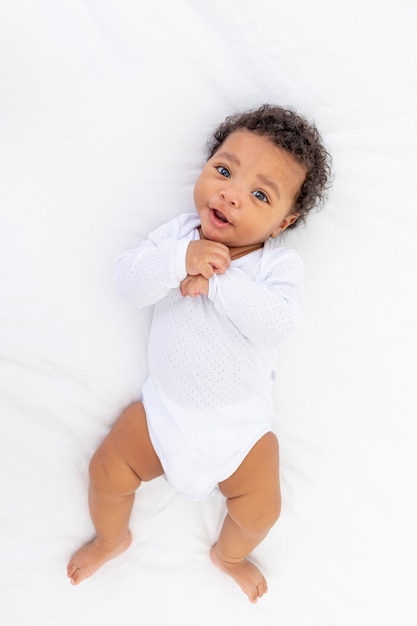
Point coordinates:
pixel 246 191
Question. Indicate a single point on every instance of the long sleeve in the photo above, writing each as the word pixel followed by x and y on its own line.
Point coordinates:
pixel 146 274
pixel 265 310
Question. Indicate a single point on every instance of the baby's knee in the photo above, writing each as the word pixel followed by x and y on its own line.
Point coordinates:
pixel 268 515
pixel 97 468
pixel 109 472
pixel 260 519
pixel 104 470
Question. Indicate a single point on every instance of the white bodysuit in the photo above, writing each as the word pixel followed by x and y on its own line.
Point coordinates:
pixel 208 395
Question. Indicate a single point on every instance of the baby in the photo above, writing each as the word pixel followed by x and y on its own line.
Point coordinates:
pixel 226 293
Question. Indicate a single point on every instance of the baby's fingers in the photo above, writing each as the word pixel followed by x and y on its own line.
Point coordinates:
pixel 194 286
pixel 221 261
pixel 183 286
pixel 207 270
pixel 206 257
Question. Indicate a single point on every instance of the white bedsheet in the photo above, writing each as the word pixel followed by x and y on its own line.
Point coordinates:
pixel 105 108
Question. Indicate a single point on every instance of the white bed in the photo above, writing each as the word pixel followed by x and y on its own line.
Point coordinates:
pixel 105 108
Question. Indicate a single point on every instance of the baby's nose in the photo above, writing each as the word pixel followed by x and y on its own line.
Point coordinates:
pixel 230 195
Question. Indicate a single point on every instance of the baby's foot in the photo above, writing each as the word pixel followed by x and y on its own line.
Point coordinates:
pixel 90 557
pixel 249 578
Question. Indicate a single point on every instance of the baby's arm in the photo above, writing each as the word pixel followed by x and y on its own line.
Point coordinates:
pixel 267 311
pixel 146 274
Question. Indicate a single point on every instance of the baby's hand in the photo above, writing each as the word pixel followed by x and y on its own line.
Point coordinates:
pixel 206 258
pixel 194 286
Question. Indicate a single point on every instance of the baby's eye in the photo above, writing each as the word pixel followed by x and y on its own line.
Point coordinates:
pixel 223 171
pixel 260 195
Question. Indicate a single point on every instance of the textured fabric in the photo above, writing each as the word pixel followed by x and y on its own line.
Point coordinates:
pixel 208 396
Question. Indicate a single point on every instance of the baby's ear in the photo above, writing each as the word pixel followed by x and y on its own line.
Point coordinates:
pixel 287 221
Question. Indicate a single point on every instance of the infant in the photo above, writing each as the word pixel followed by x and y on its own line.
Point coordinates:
pixel 225 293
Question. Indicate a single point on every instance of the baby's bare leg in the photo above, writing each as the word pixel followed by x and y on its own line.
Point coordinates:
pixel 124 459
pixel 253 503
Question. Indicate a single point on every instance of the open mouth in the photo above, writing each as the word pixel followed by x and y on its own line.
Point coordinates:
pixel 219 216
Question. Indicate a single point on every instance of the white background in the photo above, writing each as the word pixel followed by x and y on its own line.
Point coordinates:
pixel 105 108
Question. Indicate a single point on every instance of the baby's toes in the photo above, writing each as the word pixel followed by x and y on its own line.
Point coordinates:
pixel 253 594
pixel 262 588
pixel 71 568
pixel 78 575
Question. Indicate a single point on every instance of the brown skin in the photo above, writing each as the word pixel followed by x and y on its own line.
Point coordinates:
pixel 244 195
pixel 251 185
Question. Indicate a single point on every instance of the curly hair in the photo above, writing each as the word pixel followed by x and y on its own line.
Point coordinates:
pixel 293 133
